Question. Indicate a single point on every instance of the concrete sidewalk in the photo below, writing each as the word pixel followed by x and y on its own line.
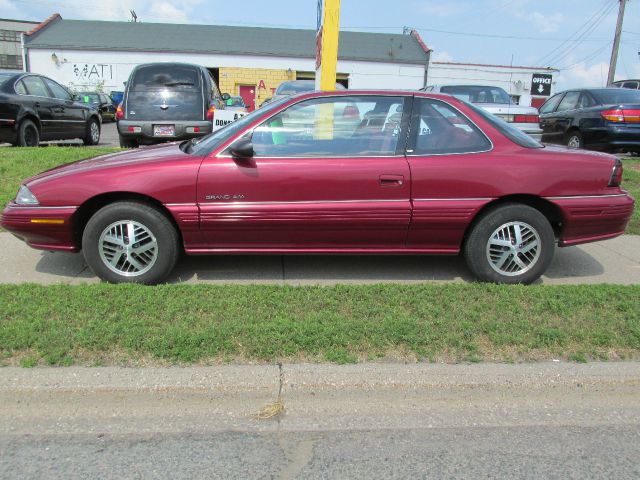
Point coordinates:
pixel 614 261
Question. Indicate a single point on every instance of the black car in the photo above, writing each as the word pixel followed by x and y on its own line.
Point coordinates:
pixel 101 102
pixel 606 119
pixel 34 108
pixel 167 102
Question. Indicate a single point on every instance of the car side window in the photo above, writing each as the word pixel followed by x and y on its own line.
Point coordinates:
pixel 551 104
pixel 35 86
pixel 630 85
pixel 440 129
pixel 569 102
pixel 585 101
pixel 57 90
pixel 20 88
pixel 333 126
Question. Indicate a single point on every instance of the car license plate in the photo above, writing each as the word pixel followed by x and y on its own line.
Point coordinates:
pixel 164 130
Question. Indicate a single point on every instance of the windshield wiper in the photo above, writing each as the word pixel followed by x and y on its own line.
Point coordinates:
pixel 173 84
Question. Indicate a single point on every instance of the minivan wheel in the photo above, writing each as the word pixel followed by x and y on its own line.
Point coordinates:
pixel 130 242
pixel 92 135
pixel 511 244
pixel 128 142
pixel 574 139
pixel 28 134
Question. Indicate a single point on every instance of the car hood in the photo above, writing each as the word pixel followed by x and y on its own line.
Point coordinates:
pixel 501 108
pixel 152 154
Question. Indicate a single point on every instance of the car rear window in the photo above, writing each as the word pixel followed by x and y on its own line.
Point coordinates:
pixel 163 76
pixel 512 133
pixel 477 94
pixel 616 96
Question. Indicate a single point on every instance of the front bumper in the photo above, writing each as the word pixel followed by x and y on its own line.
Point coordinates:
pixel 44 228
pixel 147 128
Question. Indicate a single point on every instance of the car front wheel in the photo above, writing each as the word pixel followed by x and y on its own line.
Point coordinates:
pixel 511 244
pixel 130 242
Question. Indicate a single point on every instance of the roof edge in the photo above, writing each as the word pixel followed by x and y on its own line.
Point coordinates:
pixel 52 19
pixel 496 66
pixel 425 48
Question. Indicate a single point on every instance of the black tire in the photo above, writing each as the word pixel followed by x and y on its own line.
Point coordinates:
pixel 574 139
pixel 92 132
pixel 28 134
pixel 128 142
pixel 126 257
pixel 495 264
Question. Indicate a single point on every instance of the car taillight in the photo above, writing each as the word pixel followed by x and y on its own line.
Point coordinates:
pixel 212 109
pixel 526 119
pixel 119 112
pixel 616 175
pixel 622 115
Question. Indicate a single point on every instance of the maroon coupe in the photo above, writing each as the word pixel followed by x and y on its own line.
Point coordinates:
pixel 377 172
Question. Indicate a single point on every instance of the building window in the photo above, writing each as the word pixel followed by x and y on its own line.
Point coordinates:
pixel 11 61
pixel 9 36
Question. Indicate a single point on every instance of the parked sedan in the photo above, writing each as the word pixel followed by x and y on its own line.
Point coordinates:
pixel 349 172
pixel 35 108
pixel 606 119
pixel 101 102
pixel 497 101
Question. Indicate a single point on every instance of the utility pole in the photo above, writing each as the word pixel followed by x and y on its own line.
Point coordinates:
pixel 616 44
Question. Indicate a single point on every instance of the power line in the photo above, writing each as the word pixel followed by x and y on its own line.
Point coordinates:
pixel 578 36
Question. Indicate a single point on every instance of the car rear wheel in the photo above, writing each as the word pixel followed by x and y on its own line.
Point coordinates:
pixel 511 244
pixel 28 134
pixel 130 242
pixel 92 135
pixel 128 143
pixel 574 139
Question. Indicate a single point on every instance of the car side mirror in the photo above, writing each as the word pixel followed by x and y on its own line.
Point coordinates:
pixel 242 149
pixel 226 96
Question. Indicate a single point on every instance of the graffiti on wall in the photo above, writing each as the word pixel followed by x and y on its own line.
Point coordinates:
pixel 93 71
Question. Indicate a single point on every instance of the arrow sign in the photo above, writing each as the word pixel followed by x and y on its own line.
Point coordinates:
pixel 541 84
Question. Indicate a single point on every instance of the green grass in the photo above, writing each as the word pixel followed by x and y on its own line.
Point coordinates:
pixel 176 324
pixel 18 164
pixel 631 182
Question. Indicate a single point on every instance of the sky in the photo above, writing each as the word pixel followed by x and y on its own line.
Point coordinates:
pixel 574 36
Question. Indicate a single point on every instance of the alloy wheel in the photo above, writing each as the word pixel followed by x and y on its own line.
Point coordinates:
pixel 128 248
pixel 513 248
pixel 574 142
pixel 95 132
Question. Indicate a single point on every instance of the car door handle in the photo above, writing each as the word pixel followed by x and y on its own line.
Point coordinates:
pixel 391 180
pixel 37 104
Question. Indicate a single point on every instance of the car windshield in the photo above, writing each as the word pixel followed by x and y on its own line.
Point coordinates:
pixel 512 133
pixel 205 145
pixel 616 96
pixel 477 94
pixel 4 77
pixel 161 76
pixel 89 98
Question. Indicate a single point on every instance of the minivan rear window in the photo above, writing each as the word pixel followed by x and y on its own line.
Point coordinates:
pixel 163 76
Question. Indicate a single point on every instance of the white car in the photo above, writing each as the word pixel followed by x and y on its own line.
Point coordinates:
pixel 495 100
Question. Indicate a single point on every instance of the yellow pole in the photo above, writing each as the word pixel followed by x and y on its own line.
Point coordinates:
pixel 329 52
pixel 326 74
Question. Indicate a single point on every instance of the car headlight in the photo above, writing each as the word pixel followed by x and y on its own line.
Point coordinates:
pixel 25 197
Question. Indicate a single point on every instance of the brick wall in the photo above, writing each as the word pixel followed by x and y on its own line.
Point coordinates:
pixel 232 77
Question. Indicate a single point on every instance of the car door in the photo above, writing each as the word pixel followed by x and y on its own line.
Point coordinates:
pixel 447 154
pixel 563 117
pixel 39 98
pixel 548 118
pixel 327 173
pixel 70 114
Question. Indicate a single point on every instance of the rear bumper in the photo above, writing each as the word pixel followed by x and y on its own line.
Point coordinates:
pixel 613 138
pixel 8 131
pixel 531 129
pixel 44 228
pixel 146 127
pixel 592 218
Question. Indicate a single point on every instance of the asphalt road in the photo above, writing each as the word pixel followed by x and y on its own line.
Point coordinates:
pixel 614 261
pixel 549 420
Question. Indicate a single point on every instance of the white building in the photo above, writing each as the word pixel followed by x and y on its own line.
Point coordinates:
pixel 517 81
